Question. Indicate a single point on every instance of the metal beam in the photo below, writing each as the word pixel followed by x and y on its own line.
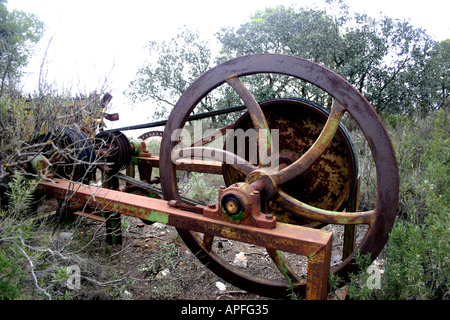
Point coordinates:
pixel 313 243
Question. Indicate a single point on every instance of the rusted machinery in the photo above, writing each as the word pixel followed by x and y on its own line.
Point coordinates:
pixel 280 207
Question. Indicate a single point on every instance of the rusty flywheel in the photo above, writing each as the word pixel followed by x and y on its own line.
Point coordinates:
pixel 293 190
pixel 329 182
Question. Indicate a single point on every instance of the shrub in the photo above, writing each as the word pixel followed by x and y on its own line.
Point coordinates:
pixel 418 251
pixel 416 256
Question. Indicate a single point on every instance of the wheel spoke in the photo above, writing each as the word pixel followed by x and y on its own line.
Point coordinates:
pixel 258 119
pixel 320 215
pixel 220 155
pixel 284 267
pixel 316 150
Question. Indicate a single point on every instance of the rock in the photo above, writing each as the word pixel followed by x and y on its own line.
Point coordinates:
pixel 162 274
pixel 240 260
pixel 342 293
pixel 220 286
pixel 336 260
pixel 159 226
pixel 127 295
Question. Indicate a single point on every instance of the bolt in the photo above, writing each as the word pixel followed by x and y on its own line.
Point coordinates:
pixel 269 216
pixel 173 203
pixel 212 205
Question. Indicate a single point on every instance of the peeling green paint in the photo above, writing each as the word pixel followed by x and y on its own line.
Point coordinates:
pixel 157 216
pixel 143 213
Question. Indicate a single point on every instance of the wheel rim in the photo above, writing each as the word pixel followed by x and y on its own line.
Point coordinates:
pixel 113 151
pixel 380 219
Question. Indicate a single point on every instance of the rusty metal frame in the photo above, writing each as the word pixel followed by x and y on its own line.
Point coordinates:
pixel 275 236
pixel 313 243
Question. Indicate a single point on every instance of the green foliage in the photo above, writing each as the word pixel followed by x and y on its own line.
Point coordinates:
pixel 419 245
pixel 168 291
pixel 417 261
pixel 20 194
pixel 171 67
pixel 153 146
pixel 19 32
pixel 163 258
pixel 201 189
pixel 12 274
pixel 416 256
pixel 15 230
pixel 423 153
pixel 388 60
pixel 358 286
pixel 397 66
pixel 61 275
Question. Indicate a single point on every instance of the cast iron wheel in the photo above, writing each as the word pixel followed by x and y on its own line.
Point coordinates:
pixel 345 99
pixel 151 134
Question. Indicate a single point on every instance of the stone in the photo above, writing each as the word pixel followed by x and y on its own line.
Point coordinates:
pixel 162 274
pixel 159 226
pixel 220 286
pixel 127 295
pixel 240 260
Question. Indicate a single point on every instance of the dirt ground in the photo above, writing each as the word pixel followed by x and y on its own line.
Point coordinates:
pixel 153 263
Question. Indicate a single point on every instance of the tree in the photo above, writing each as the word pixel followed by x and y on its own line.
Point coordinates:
pixel 395 65
pixel 378 56
pixel 19 32
pixel 437 70
pixel 281 30
pixel 171 67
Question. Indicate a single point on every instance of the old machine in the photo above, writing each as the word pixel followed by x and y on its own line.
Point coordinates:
pixel 302 178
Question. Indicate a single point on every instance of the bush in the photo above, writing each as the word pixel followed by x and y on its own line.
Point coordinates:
pixel 15 231
pixel 418 251
pixel 416 257
pixel 27 259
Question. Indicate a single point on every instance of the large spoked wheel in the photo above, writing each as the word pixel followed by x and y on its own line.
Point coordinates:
pixel 345 99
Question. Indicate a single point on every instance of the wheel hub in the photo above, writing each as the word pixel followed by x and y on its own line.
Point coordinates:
pixel 261 181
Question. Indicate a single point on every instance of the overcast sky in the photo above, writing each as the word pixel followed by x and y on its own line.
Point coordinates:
pixel 94 40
